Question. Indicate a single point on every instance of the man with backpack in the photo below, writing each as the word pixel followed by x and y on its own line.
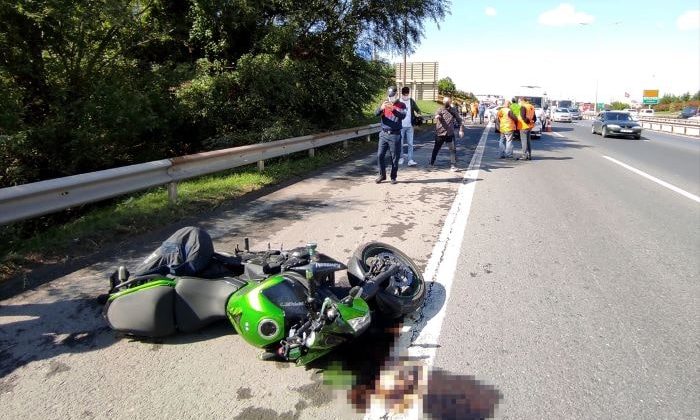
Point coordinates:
pixel 410 120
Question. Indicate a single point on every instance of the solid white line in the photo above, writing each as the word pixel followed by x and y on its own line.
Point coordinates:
pixel 419 337
pixel 553 133
pixel 655 179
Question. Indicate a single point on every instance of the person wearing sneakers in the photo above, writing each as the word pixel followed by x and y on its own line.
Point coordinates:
pixel 445 119
pixel 392 112
pixel 412 112
pixel 507 124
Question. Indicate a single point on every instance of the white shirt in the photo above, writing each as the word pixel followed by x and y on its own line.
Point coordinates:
pixel 406 122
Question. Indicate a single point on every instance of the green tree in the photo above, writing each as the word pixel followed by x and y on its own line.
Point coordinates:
pixel 619 106
pixel 446 86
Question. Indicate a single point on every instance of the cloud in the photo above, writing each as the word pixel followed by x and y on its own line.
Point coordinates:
pixel 689 20
pixel 490 11
pixel 565 15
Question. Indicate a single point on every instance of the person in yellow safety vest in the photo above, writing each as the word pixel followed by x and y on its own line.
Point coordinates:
pixel 474 109
pixel 528 118
pixel 507 124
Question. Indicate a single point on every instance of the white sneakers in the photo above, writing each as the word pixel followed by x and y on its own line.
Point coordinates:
pixel 453 168
pixel 401 161
pixel 412 163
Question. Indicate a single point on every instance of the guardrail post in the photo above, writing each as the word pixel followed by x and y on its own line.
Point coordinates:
pixel 261 165
pixel 369 138
pixel 172 192
pixel 345 144
pixel 312 152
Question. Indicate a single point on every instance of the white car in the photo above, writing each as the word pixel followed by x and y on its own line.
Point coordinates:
pixel 561 115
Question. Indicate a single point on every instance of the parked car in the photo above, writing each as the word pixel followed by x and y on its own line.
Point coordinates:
pixel 561 115
pixel 618 123
pixel 575 114
pixel 646 112
pixel 689 111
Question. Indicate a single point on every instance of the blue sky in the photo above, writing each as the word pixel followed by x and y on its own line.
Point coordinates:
pixel 568 48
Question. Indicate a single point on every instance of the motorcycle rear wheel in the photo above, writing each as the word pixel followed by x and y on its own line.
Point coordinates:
pixel 398 303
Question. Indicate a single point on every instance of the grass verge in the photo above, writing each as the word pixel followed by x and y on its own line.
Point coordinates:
pixel 137 213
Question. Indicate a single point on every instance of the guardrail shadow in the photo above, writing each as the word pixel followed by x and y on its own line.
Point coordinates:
pixel 47 330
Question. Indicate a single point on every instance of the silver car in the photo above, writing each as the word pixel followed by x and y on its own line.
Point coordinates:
pixel 561 115
pixel 575 113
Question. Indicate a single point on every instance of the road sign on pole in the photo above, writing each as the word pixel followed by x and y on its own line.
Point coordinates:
pixel 650 97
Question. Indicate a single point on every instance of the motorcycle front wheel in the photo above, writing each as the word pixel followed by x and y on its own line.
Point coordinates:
pixel 404 292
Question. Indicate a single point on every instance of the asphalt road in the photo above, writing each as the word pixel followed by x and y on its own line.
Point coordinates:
pixel 575 293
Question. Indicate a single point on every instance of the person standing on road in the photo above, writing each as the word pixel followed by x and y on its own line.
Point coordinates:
pixel 474 109
pixel 445 119
pixel 482 110
pixel 507 124
pixel 528 118
pixel 392 112
pixel 412 113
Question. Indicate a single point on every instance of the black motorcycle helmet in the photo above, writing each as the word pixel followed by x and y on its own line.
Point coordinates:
pixel 392 93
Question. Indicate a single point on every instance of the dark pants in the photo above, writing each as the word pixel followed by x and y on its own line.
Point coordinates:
pixel 439 140
pixel 392 143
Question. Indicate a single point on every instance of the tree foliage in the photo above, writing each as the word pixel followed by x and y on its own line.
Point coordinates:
pixel 100 83
pixel 446 86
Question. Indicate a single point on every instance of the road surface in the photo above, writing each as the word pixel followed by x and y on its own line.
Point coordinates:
pixel 568 284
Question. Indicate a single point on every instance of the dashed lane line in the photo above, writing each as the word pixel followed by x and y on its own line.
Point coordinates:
pixel 655 179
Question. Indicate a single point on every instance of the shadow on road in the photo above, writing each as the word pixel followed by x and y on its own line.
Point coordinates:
pixel 43 331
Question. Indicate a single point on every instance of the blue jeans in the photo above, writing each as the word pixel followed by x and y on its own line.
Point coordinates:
pixel 407 139
pixel 392 143
pixel 505 144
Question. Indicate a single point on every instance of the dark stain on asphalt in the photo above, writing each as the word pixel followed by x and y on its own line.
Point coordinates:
pixel 357 228
pixel 397 230
pixel 157 347
pixel 316 393
pixel 259 413
pixel 487 268
pixel 55 368
pixel 473 274
pixel 88 414
pixel 8 384
pixel 243 394
pixel 300 406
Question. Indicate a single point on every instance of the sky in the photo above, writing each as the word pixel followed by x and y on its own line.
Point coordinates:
pixel 571 49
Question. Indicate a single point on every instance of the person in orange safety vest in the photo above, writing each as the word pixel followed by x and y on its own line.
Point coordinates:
pixel 507 124
pixel 526 121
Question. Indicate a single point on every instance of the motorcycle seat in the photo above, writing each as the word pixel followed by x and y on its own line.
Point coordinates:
pixel 200 301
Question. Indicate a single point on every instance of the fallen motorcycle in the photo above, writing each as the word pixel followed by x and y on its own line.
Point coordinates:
pixel 284 302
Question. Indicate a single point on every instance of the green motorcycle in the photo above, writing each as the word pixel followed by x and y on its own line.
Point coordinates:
pixel 284 302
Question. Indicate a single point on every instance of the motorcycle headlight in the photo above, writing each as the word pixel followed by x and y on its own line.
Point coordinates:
pixel 360 323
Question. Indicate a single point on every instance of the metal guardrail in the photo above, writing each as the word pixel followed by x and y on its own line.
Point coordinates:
pixel 39 198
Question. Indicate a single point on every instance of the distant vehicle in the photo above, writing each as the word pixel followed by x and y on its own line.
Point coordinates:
pixel 694 118
pixel 648 112
pixel 618 123
pixel 689 111
pixel 538 98
pixel 561 115
pixel 633 113
pixel 575 114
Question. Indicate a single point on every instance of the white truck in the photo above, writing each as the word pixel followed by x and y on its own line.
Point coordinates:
pixel 538 98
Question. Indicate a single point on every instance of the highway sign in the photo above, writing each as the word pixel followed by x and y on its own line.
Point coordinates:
pixel 650 97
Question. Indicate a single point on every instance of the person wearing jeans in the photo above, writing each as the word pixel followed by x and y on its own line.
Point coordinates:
pixel 392 112
pixel 412 112
pixel 507 123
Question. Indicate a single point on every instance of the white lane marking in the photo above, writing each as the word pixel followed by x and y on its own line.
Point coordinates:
pixel 553 133
pixel 655 179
